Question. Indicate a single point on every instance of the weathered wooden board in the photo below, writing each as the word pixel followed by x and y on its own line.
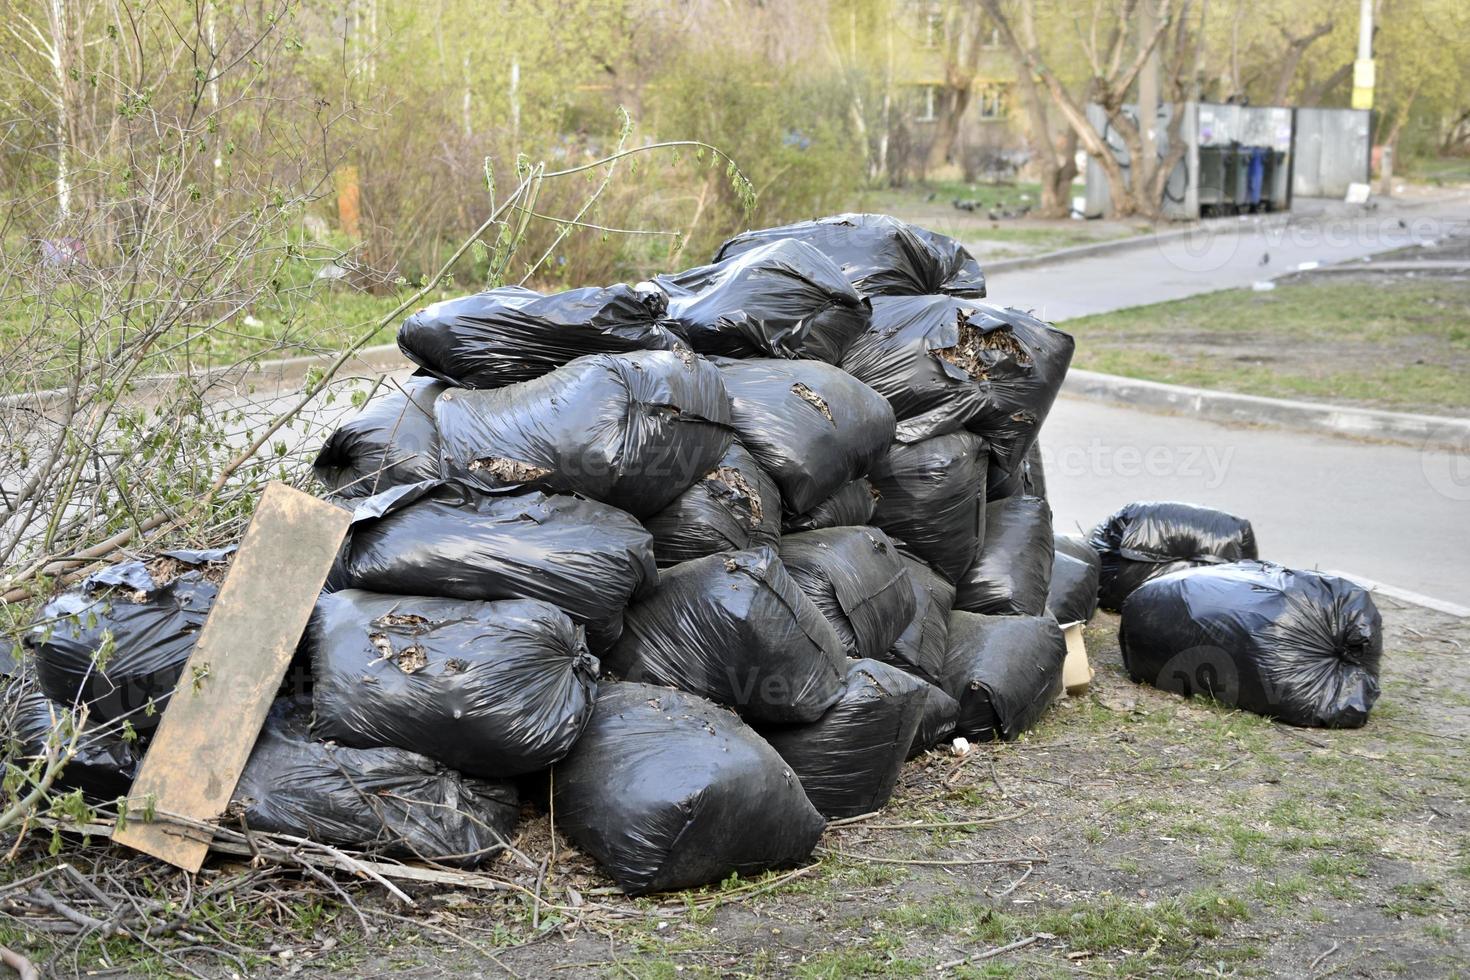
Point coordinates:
pixel 211 722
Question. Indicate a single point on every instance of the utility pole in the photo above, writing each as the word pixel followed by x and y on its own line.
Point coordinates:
pixel 1363 67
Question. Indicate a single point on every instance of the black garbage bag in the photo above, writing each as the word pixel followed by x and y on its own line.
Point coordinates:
pixel 879 255
pixel 632 430
pixel 511 334
pixel 445 539
pixel 736 506
pixel 851 506
pixel 493 689
pixel 118 641
pixel 937 722
pixel 1285 643
pixel 931 498
pixel 849 759
pixel 923 354
pixel 782 299
pixel 1072 595
pixel 1004 671
pixel 391 441
pixel 668 791
pixel 923 645
pixel 812 426
pixel 1077 546
pixel 857 580
pixel 1028 479
pixel 1146 539
pixel 734 628
pixel 1025 360
pixel 1012 573
pixel 382 800
pixel 105 761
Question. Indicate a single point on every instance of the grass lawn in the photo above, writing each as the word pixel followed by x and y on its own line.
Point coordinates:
pixel 1386 342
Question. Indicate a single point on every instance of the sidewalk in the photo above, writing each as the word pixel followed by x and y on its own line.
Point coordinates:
pixel 1217 256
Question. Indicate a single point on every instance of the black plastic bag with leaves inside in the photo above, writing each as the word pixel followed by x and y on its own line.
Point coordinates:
pixel 512 334
pixel 445 539
pixel 391 441
pixel 632 430
pixel 782 299
pixel 1004 671
pixel 734 507
pixel 1285 643
pixel 811 426
pixel 1146 539
pixel 1025 361
pixel 382 800
pixel 936 724
pixel 858 581
pixel 493 689
pixel 926 356
pixel 930 497
pixel 849 759
pixel 118 641
pixel 734 628
pixel 879 254
pixel 666 791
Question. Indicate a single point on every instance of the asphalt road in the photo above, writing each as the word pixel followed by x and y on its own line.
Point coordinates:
pixel 1394 514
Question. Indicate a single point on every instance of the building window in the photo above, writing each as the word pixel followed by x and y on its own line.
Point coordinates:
pixel 993 103
pixel 927 109
pixel 931 24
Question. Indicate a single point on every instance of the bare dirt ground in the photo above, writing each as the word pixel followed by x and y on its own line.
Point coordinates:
pixel 1131 834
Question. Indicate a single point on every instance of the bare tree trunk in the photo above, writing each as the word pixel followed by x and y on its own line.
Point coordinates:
pixel 1391 144
pixel 60 56
pixel 1296 47
pixel 1314 94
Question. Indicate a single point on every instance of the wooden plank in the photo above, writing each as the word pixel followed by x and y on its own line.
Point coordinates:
pixel 211 722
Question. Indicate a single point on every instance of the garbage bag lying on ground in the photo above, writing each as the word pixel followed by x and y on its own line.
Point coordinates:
pixel 922 646
pixel 1004 671
pixel 104 762
pixel 1012 575
pixel 1025 360
pixel 811 426
pixel 632 430
pixel 857 580
pixel 511 334
pixel 736 506
pixel 391 441
pixel 493 689
pixel 118 641
pixel 851 506
pixel 667 791
pixel 922 354
pixel 931 498
pixel 1028 479
pixel 383 800
pixel 1072 595
pixel 734 628
pixel 1146 539
pixel 445 539
pixel 1290 644
pixel 936 723
pixel 782 299
pixel 849 760
pixel 879 255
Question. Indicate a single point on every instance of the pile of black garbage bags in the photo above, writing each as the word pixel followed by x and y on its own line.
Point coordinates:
pixel 696 563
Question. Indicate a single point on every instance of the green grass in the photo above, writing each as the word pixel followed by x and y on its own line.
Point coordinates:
pixel 1440 170
pixel 1401 344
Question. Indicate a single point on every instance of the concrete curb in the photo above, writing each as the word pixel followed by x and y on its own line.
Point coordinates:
pixel 1222 406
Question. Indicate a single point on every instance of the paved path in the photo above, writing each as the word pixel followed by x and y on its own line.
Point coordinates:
pixel 1217 257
